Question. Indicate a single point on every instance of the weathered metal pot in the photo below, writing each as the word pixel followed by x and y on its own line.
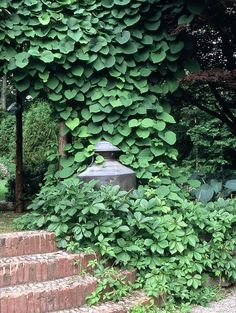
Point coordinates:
pixel 110 171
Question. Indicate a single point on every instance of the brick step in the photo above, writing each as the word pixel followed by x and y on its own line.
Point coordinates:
pixel 60 294
pixel 42 267
pixel 23 243
pixel 123 306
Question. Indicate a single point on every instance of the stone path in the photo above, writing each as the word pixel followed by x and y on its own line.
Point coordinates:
pixel 227 305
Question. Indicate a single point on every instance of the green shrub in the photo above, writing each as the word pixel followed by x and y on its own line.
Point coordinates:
pixel 173 244
pixel 39 133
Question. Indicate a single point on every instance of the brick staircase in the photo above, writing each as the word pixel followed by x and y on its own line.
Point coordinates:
pixel 37 278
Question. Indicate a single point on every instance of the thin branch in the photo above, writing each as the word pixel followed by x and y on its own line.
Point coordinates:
pixel 224 109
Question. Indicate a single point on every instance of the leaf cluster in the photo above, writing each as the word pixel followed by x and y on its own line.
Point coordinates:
pixel 172 244
pixel 108 66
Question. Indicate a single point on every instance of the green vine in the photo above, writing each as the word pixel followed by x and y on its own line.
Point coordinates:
pixel 108 66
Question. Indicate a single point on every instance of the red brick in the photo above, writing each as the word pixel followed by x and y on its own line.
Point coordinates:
pixel 32 273
pixel 30 303
pixel 26 244
pixel 3 305
pixel 44 271
pixel 26 272
pixel 32 248
pixel 50 301
pixel 38 271
pixel 20 274
pixel 11 304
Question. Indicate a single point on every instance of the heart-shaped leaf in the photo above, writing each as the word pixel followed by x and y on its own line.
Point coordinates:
pixel 158 57
pixel 72 123
pixel 70 94
pixel 123 37
pixel 65 114
pixel 169 137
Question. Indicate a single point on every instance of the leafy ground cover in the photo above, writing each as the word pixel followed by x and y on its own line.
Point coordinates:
pixel 174 243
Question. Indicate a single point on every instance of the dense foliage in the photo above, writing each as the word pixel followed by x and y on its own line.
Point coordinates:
pixel 214 41
pixel 39 133
pixel 173 244
pixel 204 144
pixel 39 137
pixel 108 66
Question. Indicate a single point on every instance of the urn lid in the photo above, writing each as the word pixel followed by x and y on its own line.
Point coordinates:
pixel 104 146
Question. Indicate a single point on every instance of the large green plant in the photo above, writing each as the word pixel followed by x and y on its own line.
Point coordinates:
pixel 172 244
pixel 108 66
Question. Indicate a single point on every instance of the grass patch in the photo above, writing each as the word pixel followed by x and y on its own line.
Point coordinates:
pixel 6 222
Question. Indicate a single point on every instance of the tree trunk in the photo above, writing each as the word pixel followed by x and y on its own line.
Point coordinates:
pixel 19 156
pixel 62 140
pixel 3 93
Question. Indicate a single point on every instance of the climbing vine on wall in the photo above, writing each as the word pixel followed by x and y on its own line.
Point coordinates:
pixel 108 66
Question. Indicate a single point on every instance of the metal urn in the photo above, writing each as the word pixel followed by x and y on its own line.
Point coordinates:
pixel 111 171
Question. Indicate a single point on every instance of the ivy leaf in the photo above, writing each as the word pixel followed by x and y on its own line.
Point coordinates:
pixel 80 157
pixel 169 137
pixel 143 133
pixel 47 56
pixel 134 123
pixel 83 132
pixel 176 47
pixel 70 94
pixel 98 64
pixel 72 123
pixel 66 172
pixel 54 96
pixel 123 37
pixel 125 131
pixel 77 70
pixel 147 122
pixel 67 162
pixel 22 59
pixel 166 117
pixel 44 19
pixel 158 57
pixel 86 114
pixel 52 83
pixel 66 114
pixel 129 21
pixel 160 125
pixel 99 159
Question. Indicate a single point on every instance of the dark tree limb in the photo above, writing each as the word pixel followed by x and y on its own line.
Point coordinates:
pixel 189 98
pixel 19 155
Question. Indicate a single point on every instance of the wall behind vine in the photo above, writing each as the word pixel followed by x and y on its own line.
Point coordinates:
pixel 108 66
